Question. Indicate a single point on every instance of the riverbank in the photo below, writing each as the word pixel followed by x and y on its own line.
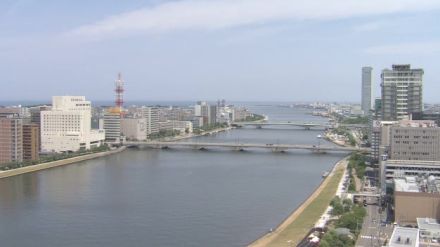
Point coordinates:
pixel 294 228
pixel 48 165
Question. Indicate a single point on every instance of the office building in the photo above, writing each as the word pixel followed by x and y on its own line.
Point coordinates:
pixel 401 92
pixel 67 126
pixel 415 140
pixel 367 92
pixel 112 125
pixel 31 141
pixel 11 139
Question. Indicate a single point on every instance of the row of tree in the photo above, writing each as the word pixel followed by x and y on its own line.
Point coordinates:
pixel 349 216
pixel 52 157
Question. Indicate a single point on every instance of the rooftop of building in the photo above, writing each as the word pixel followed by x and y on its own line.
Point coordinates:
pixel 418 123
pixel 404 237
pixel 428 224
pixel 417 184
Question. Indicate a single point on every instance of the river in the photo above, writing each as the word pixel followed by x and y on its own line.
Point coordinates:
pixel 171 197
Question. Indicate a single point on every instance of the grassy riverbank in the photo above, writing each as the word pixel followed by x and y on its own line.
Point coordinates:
pixel 298 224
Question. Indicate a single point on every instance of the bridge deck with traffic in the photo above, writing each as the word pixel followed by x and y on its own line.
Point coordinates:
pixel 306 125
pixel 243 146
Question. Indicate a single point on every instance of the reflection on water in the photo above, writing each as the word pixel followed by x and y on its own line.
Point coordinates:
pixel 178 197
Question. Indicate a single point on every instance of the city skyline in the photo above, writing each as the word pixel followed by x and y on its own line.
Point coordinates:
pixel 258 55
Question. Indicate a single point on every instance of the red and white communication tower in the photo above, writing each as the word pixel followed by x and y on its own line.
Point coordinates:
pixel 119 90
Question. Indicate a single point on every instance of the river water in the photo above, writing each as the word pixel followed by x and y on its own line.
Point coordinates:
pixel 167 197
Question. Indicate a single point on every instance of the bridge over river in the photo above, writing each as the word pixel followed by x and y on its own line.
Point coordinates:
pixel 305 125
pixel 244 146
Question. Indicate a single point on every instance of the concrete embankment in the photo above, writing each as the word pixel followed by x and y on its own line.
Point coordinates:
pixel 43 166
pixel 298 223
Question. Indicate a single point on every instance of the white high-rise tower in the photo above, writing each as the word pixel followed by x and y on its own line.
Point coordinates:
pixel 367 90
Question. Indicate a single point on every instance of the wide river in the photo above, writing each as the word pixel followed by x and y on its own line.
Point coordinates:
pixel 176 197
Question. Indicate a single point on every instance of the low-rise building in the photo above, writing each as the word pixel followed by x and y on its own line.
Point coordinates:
pixel 404 237
pixel 181 126
pixel 403 168
pixel 416 197
pixel 429 229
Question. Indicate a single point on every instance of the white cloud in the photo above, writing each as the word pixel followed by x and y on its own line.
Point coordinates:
pixel 419 48
pixel 217 14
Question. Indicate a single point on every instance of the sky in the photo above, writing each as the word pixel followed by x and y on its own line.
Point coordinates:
pixel 239 50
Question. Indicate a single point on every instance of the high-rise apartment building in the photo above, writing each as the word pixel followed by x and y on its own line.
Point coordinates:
pixel 367 90
pixel 212 114
pixel 151 114
pixel 31 141
pixel 11 139
pixel 401 92
pixel 67 126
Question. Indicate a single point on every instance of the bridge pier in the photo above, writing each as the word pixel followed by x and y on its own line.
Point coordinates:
pixel 279 150
pixel 197 147
pixel 319 151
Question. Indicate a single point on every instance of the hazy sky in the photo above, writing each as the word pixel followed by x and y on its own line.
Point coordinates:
pixel 284 50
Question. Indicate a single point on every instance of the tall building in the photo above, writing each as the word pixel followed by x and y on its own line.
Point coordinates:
pixel 11 139
pixel 367 90
pixel 112 125
pixel 67 126
pixel 31 141
pixel 203 109
pixel 151 114
pixel 212 114
pixel 401 92
pixel 35 118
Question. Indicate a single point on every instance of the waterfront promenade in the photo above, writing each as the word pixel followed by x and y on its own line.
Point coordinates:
pixel 294 228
